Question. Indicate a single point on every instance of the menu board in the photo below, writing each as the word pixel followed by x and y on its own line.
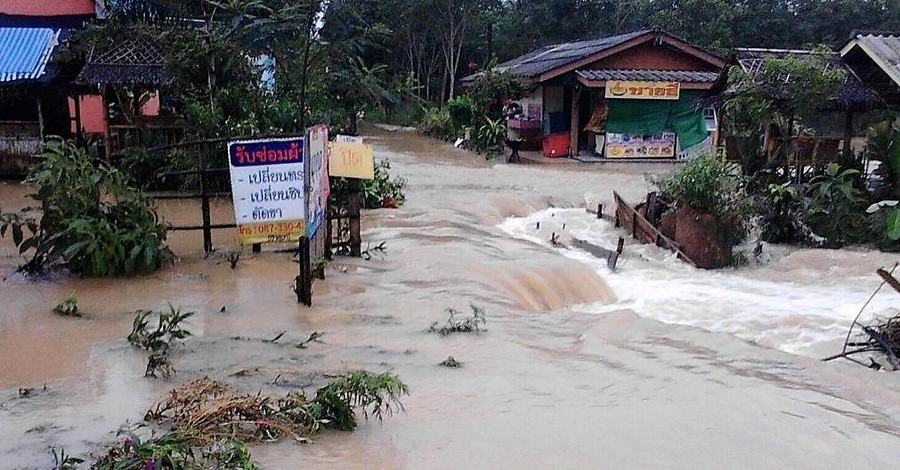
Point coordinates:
pixel 640 146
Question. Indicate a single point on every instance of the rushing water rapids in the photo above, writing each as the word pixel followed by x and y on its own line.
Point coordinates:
pixel 774 303
pixel 647 367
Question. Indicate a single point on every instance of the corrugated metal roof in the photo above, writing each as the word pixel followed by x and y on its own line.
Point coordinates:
pixel 884 49
pixel 683 76
pixel 550 57
pixel 25 52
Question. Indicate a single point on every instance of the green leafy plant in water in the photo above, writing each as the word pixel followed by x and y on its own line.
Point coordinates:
pixel 64 461
pixel 490 136
pixel 210 423
pixel 88 220
pixel 68 307
pixel 159 341
pixel 384 191
pixel 451 362
pixel 175 450
pixel 455 324
pixel 835 210
pixel 376 395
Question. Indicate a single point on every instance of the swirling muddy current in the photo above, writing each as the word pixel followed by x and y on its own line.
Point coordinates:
pixel 654 365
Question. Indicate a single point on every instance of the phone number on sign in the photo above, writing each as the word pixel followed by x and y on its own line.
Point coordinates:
pixel 274 228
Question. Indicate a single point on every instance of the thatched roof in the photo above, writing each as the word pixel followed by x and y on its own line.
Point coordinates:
pixel 130 61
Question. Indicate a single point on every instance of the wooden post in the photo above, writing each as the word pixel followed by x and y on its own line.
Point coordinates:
pixel 318 248
pixel 78 126
pixel 107 132
pixel 303 281
pixel 354 208
pixel 40 110
pixel 576 111
pixel 848 133
pixel 621 246
pixel 634 224
pixel 612 260
pixel 599 211
pixel 204 200
pixel 329 232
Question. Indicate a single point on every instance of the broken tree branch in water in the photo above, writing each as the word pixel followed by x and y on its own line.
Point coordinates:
pixel 881 338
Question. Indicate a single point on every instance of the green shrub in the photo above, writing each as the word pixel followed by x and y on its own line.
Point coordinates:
pixel 836 207
pixel 438 123
pixel 781 210
pixel 491 88
pixel 68 307
pixel 489 137
pixel 88 221
pixel 709 185
pixel 383 191
pixel 462 111
pixel 883 144
pixel 142 168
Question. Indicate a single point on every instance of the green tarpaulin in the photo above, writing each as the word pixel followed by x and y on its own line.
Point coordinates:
pixel 652 117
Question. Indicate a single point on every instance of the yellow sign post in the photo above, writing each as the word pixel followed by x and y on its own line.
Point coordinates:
pixel 643 90
pixel 350 160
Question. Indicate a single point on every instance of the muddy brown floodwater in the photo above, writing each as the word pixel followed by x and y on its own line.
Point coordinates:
pixel 655 366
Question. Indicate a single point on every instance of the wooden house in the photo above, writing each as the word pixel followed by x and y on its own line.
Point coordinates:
pixel 632 95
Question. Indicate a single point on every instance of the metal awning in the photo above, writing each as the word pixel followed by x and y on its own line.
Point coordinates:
pixel 25 53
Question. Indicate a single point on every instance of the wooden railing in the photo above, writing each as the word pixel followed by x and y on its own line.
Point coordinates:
pixel 643 231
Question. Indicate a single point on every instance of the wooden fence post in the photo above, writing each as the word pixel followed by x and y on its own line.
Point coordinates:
pixel 354 206
pixel 303 282
pixel 204 200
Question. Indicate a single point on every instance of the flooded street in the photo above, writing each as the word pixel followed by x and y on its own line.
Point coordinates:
pixel 657 365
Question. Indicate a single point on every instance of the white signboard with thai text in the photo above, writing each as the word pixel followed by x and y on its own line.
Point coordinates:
pixel 267 184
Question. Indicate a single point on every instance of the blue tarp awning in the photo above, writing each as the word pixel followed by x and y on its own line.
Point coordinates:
pixel 25 53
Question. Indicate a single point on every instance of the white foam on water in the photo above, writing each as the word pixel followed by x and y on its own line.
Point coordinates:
pixel 804 317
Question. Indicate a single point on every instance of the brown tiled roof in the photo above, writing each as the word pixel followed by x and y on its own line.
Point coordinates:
pixel 683 76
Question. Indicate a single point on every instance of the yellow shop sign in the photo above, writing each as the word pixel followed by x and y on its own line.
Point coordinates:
pixel 643 90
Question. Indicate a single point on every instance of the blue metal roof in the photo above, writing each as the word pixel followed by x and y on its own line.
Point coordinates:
pixel 25 52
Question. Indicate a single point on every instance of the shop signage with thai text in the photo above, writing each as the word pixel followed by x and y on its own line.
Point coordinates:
pixel 643 90
pixel 319 187
pixel 640 146
pixel 352 160
pixel 267 187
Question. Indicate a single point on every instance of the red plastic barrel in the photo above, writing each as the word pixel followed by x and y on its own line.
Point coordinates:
pixel 556 145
